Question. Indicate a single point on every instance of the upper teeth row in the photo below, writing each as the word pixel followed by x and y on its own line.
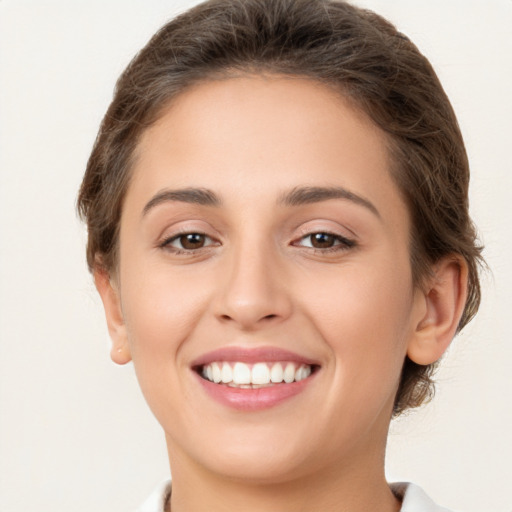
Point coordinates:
pixel 259 373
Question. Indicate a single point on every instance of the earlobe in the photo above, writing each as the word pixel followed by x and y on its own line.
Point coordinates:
pixel 443 302
pixel 120 350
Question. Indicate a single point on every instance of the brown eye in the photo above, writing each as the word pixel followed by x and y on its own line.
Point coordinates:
pixel 188 242
pixel 192 241
pixel 322 240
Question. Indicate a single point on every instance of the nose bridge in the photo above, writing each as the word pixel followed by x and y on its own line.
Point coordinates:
pixel 252 292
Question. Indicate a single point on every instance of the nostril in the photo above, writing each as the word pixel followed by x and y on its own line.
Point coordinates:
pixel 253 320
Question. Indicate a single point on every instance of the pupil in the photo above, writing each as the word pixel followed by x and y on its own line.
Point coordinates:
pixel 322 240
pixel 192 241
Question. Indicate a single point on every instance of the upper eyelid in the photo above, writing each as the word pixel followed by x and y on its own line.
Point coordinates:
pixel 308 231
pixel 341 230
pixel 185 228
pixel 341 233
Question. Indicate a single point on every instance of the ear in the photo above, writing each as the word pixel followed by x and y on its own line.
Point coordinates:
pixel 108 290
pixel 443 300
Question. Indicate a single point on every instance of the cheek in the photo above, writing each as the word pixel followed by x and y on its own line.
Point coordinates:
pixel 161 309
pixel 363 314
pixel 161 313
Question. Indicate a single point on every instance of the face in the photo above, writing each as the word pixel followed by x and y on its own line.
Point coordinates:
pixel 264 283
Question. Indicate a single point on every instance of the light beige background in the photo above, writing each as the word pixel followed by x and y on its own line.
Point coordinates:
pixel 75 434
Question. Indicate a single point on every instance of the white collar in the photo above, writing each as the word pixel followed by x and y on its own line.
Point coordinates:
pixel 156 502
pixel 414 498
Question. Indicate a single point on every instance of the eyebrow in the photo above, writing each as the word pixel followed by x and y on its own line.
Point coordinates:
pixel 201 196
pixel 295 197
pixel 308 195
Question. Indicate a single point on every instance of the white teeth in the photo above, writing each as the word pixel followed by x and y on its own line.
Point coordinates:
pixel 260 374
pixel 276 373
pixel 244 375
pixel 302 373
pixel 241 374
pixel 226 373
pixel 216 373
pixel 289 373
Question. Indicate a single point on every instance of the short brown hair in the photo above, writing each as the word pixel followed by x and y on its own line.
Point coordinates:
pixel 354 50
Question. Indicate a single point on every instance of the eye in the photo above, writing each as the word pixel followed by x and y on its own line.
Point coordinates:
pixel 188 242
pixel 325 241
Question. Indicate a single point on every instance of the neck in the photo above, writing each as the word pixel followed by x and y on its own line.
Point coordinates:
pixel 344 488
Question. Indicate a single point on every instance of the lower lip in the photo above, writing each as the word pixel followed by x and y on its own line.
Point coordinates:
pixel 254 399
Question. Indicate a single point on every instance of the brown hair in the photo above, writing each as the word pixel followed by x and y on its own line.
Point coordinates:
pixel 354 50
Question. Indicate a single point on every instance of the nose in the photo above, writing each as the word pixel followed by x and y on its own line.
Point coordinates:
pixel 253 291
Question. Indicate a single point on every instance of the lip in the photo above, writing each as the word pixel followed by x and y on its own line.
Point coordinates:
pixel 252 355
pixel 256 398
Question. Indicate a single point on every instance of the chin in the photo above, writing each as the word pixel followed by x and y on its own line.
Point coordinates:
pixel 263 469
pixel 260 456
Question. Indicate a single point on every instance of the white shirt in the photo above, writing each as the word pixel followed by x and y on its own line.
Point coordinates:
pixel 413 498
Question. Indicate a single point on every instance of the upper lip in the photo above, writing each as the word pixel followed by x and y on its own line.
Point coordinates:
pixel 251 355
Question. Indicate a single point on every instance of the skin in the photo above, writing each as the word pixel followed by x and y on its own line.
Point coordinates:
pixel 257 282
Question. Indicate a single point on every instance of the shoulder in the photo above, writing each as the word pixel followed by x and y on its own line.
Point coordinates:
pixel 414 499
pixel 158 499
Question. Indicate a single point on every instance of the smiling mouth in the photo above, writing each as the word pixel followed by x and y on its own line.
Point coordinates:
pixel 258 375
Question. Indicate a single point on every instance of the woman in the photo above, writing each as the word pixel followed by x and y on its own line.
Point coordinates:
pixel 279 231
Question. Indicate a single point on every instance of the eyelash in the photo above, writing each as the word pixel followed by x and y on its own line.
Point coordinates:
pixel 340 243
pixel 166 244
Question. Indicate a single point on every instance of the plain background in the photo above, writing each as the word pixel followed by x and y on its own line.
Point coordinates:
pixel 75 433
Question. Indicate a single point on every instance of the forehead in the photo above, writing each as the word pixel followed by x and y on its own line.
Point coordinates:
pixel 257 136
